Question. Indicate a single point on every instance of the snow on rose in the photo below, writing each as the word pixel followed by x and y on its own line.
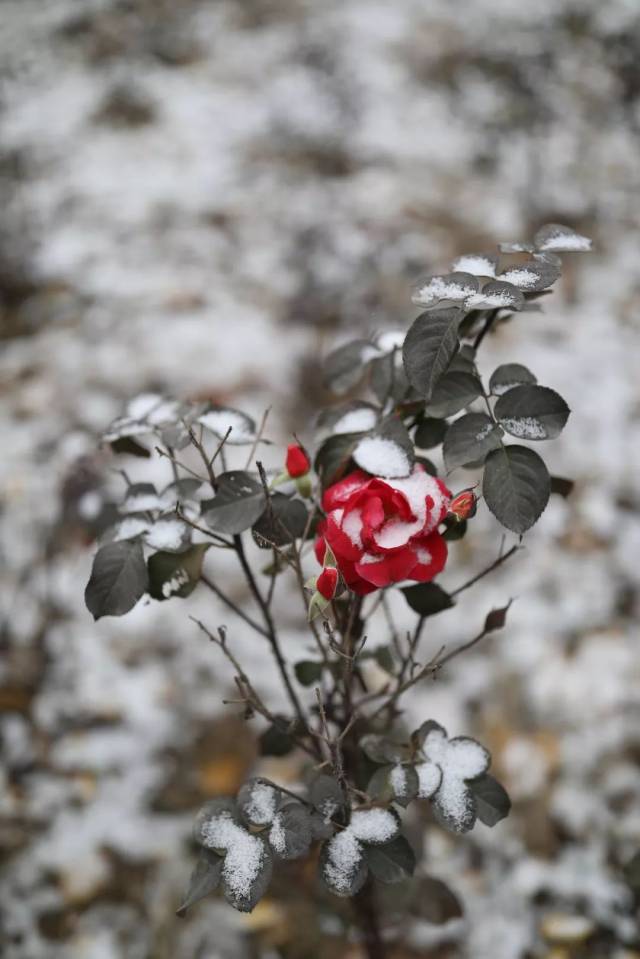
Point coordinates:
pixel 383 531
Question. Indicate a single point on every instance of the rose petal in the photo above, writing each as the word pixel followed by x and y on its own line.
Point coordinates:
pixel 338 494
pixel 384 570
pixel 431 555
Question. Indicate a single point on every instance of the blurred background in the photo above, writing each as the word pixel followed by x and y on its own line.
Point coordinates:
pixel 200 198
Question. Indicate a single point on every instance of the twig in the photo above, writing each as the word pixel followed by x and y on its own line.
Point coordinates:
pixel 236 609
pixel 252 451
pixel 502 558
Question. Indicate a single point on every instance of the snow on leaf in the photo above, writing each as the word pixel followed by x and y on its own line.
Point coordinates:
pixel 561 239
pixel 222 419
pixel 459 760
pixel 258 801
pixel 374 825
pixel 343 867
pixel 478 264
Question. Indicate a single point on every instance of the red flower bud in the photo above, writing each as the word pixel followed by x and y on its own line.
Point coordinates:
pixel 463 506
pixel 297 461
pixel 327 582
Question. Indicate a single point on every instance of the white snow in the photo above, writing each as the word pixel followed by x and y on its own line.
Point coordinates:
pixel 344 855
pixel 277 834
pixel 352 526
pixel 440 288
pixel 262 803
pixel 493 301
pixel 356 421
pixel 390 340
pixel 398 780
pixel 526 427
pixel 381 457
pixel 474 263
pixel 244 853
pixel 179 579
pixel 429 779
pixel 521 277
pixel 220 421
pixel 130 527
pixel 416 488
pixel 167 534
pixel 373 825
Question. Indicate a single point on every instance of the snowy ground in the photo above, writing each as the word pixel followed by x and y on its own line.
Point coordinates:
pixel 200 197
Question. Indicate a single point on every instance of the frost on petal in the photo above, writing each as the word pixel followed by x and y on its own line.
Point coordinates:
pixel 343 866
pixel 374 825
pixel 429 778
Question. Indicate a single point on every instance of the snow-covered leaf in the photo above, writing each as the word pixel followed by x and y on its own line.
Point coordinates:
pixel 557 238
pixel 469 439
pixel 386 451
pixel 507 376
pixel 374 826
pixel 460 760
pixel 496 295
pixel 220 419
pixel 342 864
pixel 380 749
pixel 478 264
pixel 531 276
pixel 175 574
pixel 118 579
pixel 327 796
pixel 334 457
pixel 290 834
pixel 353 417
pixel 516 486
pixel 454 287
pixel 258 801
pixel 168 533
pixel 532 412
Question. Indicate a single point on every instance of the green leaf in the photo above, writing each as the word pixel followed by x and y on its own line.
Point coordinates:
pixel 532 412
pixel 497 295
pixel 246 899
pixel 427 599
pixel 430 433
pixel 219 420
pixel 283 521
pixel 469 439
pixel 453 392
pixel 276 739
pixel 391 862
pixel 388 379
pixel 345 366
pixel 429 347
pixel 430 291
pixel 327 796
pixel 205 878
pixel 239 502
pixel 127 446
pixel 334 457
pixel 118 579
pixel 384 658
pixel 343 878
pixel 308 672
pixel 516 487
pixel 496 618
pixel 394 783
pixel 562 486
pixel 492 801
pixel 507 376
pixel 434 901
pixel 387 450
pixel 533 276
pixel 175 574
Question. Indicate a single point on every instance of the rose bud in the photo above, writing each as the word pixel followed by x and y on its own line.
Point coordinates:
pixel 297 461
pixel 463 506
pixel 327 582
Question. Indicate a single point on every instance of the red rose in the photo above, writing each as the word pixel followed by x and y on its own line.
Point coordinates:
pixel 327 582
pixel 297 461
pixel 463 506
pixel 383 531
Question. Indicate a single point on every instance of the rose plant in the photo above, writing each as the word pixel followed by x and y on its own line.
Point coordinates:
pixel 367 515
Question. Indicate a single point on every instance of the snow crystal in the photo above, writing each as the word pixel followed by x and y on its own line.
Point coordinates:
pixel 459 760
pixel 356 421
pixel 167 534
pixel 220 421
pixel 424 556
pixel 429 778
pixel 475 264
pixel 398 780
pixel 124 426
pixel 381 457
pixel 90 505
pixel 484 432
pixel 525 427
pixel 244 853
pixel 179 579
pixel 277 835
pixel 439 289
pixel 261 805
pixel 344 855
pixel 522 278
pixel 373 825
pixel 142 502
pixel 140 406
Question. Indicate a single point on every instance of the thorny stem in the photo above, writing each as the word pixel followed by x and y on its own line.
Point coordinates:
pixel 364 906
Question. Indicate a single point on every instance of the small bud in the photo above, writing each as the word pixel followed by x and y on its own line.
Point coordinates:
pixel 463 506
pixel 327 582
pixel 297 461
pixel 304 486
